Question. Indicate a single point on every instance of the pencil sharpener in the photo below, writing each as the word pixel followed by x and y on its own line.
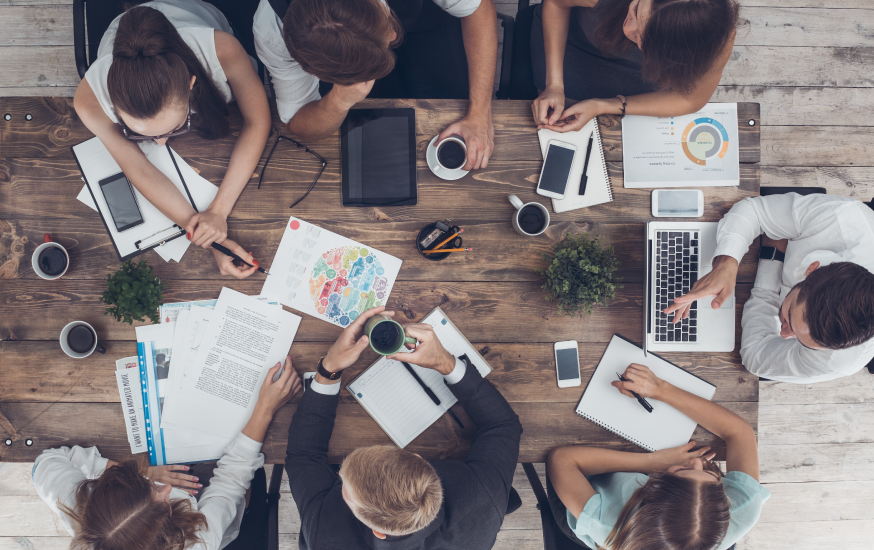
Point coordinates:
pixel 442 231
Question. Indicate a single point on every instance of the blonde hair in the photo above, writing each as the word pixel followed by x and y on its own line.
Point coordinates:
pixel 396 491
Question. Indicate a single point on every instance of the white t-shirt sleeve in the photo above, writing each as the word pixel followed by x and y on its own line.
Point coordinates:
pixel 293 86
pixel 458 8
pixel 57 474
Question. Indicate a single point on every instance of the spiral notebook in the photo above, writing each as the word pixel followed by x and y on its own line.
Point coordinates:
pixel 665 426
pixel 393 398
pixel 598 188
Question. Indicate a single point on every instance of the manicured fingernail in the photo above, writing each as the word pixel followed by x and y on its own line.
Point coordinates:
pixel 276 365
pixel 193 492
pixel 188 467
pixel 254 261
pixel 199 485
pixel 188 235
pixel 195 479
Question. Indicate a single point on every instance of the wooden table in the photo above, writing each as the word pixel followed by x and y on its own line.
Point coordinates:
pixel 493 295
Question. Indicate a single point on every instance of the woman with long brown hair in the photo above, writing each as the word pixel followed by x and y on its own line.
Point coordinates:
pixel 636 57
pixel 107 505
pixel 164 68
pixel 672 499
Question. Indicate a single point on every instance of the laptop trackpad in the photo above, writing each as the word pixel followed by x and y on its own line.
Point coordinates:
pixel 708 302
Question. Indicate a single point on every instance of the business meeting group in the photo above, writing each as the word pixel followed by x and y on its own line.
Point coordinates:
pixel 168 67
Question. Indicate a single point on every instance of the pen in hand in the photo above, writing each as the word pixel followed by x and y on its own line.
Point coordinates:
pixel 227 252
pixel 640 399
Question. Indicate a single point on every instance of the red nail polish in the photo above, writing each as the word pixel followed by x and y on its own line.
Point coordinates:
pixel 255 262
pixel 188 235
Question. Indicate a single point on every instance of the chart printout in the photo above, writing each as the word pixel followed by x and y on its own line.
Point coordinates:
pixel 700 149
pixel 328 276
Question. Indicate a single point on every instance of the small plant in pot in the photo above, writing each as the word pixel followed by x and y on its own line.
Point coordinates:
pixel 579 274
pixel 134 293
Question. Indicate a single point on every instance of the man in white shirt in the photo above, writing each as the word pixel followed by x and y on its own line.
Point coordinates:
pixel 434 49
pixel 810 317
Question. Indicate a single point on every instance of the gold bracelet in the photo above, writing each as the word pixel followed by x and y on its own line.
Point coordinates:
pixel 624 104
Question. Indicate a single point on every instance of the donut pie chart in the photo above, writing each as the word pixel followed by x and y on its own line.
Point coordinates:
pixel 704 138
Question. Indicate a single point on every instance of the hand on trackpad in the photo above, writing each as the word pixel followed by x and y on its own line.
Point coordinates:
pixel 708 302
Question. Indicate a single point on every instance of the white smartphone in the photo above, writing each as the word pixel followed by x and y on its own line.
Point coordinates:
pixel 556 169
pixel 567 364
pixel 677 203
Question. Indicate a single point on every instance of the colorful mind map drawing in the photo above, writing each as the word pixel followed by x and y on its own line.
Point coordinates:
pixel 345 281
pixel 703 139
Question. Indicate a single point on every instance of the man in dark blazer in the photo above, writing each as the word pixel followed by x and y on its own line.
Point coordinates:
pixel 461 507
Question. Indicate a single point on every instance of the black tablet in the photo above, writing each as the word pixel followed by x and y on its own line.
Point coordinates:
pixel 378 157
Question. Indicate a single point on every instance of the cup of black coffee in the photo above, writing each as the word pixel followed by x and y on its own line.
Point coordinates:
pixel 386 335
pixel 50 260
pixel 529 219
pixel 79 340
pixel 447 158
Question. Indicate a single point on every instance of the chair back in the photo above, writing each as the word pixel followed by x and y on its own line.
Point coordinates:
pixel 553 537
pixel 91 18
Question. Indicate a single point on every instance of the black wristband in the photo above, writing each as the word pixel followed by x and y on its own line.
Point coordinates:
pixel 771 253
pixel 325 373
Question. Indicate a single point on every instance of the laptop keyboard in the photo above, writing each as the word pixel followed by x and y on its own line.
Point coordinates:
pixel 676 270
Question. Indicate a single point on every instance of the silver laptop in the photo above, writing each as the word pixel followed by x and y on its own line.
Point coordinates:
pixel 678 254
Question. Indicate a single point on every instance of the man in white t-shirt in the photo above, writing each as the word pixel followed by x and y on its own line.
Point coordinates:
pixel 424 49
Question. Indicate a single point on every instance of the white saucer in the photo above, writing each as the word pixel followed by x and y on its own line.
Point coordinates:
pixel 440 171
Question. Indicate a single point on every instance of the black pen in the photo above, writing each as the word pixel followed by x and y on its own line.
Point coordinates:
pixel 429 391
pixel 227 252
pixel 584 180
pixel 640 399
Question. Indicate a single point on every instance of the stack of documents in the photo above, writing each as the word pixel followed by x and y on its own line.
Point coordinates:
pixel 220 352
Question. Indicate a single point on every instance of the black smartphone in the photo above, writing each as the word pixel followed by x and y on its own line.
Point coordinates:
pixel 122 202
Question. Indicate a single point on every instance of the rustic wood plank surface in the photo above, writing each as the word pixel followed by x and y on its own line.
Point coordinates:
pixel 492 296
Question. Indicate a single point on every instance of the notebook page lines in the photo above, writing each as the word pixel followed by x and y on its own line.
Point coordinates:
pixel 397 401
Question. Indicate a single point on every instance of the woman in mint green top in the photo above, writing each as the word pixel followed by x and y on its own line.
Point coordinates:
pixel 673 498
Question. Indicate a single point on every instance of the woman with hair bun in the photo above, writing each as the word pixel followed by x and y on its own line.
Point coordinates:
pixel 164 68
pixel 673 499
pixel 637 57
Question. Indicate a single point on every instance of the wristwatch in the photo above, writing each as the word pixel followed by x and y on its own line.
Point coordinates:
pixel 771 253
pixel 327 374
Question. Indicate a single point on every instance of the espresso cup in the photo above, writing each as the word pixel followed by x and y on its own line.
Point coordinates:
pixel 386 335
pixel 529 219
pixel 74 339
pixel 448 157
pixel 47 257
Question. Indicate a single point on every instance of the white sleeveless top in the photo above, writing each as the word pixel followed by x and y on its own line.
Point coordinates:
pixel 195 21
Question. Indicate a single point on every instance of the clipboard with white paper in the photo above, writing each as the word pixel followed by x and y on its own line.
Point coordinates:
pixel 96 163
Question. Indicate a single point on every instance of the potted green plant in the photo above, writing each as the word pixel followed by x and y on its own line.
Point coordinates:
pixel 579 274
pixel 134 293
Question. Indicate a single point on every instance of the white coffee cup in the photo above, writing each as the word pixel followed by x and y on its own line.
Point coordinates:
pixel 517 203
pixel 34 260
pixel 76 354
pixel 432 157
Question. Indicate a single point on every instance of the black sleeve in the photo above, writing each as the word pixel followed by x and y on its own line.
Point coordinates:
pixel 495 449
pixel 310 476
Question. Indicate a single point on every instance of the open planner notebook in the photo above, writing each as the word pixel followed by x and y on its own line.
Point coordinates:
pixel 665 426
pixel 598 189
pixel 397 402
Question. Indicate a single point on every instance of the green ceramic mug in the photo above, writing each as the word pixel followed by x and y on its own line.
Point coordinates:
pixel 386 335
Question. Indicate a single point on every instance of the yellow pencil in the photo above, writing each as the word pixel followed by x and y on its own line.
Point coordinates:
pixel 449 239
pixel 447 250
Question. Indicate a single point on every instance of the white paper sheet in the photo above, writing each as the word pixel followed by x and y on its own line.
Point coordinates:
pixel 98 164
pixel 197 321
pixel 127 376
pixel 700 149
pixel 244 339
pixel 328 276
